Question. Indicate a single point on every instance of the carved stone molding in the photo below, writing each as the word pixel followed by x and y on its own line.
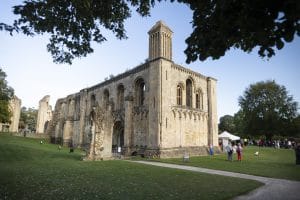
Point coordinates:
pixel 118 115
pixel 190 113
pixel 140 110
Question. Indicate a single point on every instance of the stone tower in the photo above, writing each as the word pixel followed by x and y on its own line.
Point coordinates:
pixel 44 115
pixel 160 41
pixel 15 107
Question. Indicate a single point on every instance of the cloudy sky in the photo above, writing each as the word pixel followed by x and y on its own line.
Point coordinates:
pixel 33 75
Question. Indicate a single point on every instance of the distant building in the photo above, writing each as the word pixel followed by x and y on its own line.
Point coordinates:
pixel 158 108
pixel 15 108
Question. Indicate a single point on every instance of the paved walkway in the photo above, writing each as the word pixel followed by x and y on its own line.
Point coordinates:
pixel 272 190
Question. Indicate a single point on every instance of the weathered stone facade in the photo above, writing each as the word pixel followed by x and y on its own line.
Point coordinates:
pixel 15 108
pixel 158 108
pixel 44 115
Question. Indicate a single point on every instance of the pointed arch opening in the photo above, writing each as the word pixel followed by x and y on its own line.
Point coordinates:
pixel 189 93
pixel 179 95
pixel 120 96
pixel 199 99
pixel 106 98
pixel 140 89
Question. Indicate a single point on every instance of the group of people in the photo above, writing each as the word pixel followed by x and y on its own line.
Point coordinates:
pixel 232 149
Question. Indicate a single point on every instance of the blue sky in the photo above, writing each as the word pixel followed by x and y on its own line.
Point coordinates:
pixel 32 73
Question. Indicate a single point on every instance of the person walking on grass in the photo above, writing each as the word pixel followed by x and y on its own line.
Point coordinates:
pixel 229 151
pixel 239 152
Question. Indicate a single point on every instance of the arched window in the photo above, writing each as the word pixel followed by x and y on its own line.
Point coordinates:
pixel 106 98
pixel 140 89
pixel 93 101
pixel 120 96
pixel 189 93
pixel 179 95
pixel 199 99
pixel 92 107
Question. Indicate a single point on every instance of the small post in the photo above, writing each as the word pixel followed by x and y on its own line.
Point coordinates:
pixel 186 157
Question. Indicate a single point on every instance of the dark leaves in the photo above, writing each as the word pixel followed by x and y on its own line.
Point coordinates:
pixel 220 25
pixel 217 25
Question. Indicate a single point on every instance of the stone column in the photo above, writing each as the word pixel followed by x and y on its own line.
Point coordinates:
pixel 128 129
pixel 68 133
pixel 212 112
pixel 83 114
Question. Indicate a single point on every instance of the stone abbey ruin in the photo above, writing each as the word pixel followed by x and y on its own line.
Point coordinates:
pixel 158 108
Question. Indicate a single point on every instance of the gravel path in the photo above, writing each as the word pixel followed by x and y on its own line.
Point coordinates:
pixel 272 190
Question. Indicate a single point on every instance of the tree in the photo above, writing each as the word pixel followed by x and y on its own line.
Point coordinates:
pixel 6 93
pixel 268 109
pixel 227 124
pixel 28 118
pixel 220 25
pixel 238 120
pixel 217 25
pixel 295 127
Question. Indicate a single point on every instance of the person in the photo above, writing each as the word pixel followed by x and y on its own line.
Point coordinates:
pixel 229 151
pixel 211 150
pixel 239 152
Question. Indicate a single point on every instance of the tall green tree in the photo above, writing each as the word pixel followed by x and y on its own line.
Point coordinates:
pixel 6 93
pixel 227 124
pixel 268 109
pixel 217 25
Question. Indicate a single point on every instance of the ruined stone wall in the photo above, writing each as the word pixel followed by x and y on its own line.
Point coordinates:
pixel 15 107
pixel 44 115
pixel 74 124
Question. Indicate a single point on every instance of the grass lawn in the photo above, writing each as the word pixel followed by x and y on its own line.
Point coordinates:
pixel 276 163
pixel 30 170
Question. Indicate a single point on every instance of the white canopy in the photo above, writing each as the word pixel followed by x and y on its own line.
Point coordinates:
pixel 229 136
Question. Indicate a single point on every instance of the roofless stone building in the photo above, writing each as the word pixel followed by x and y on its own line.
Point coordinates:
pixel 158 108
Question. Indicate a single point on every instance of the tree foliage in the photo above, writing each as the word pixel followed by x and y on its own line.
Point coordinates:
pixel 73 25
pixel 227 124
pixel 6 93
pixel 238 120
pixel 217 25
pixel 28 118
pixel 268 109
pixel 220 25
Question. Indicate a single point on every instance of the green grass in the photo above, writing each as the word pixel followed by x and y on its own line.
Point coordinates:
pixel 29 170
pixel 276 163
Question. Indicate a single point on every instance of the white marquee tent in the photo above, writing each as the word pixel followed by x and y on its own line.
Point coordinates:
pixel 229 136
pixel 226 136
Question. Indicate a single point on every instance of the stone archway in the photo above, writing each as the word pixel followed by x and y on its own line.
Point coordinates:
pixel 46 126
pixel 118 138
